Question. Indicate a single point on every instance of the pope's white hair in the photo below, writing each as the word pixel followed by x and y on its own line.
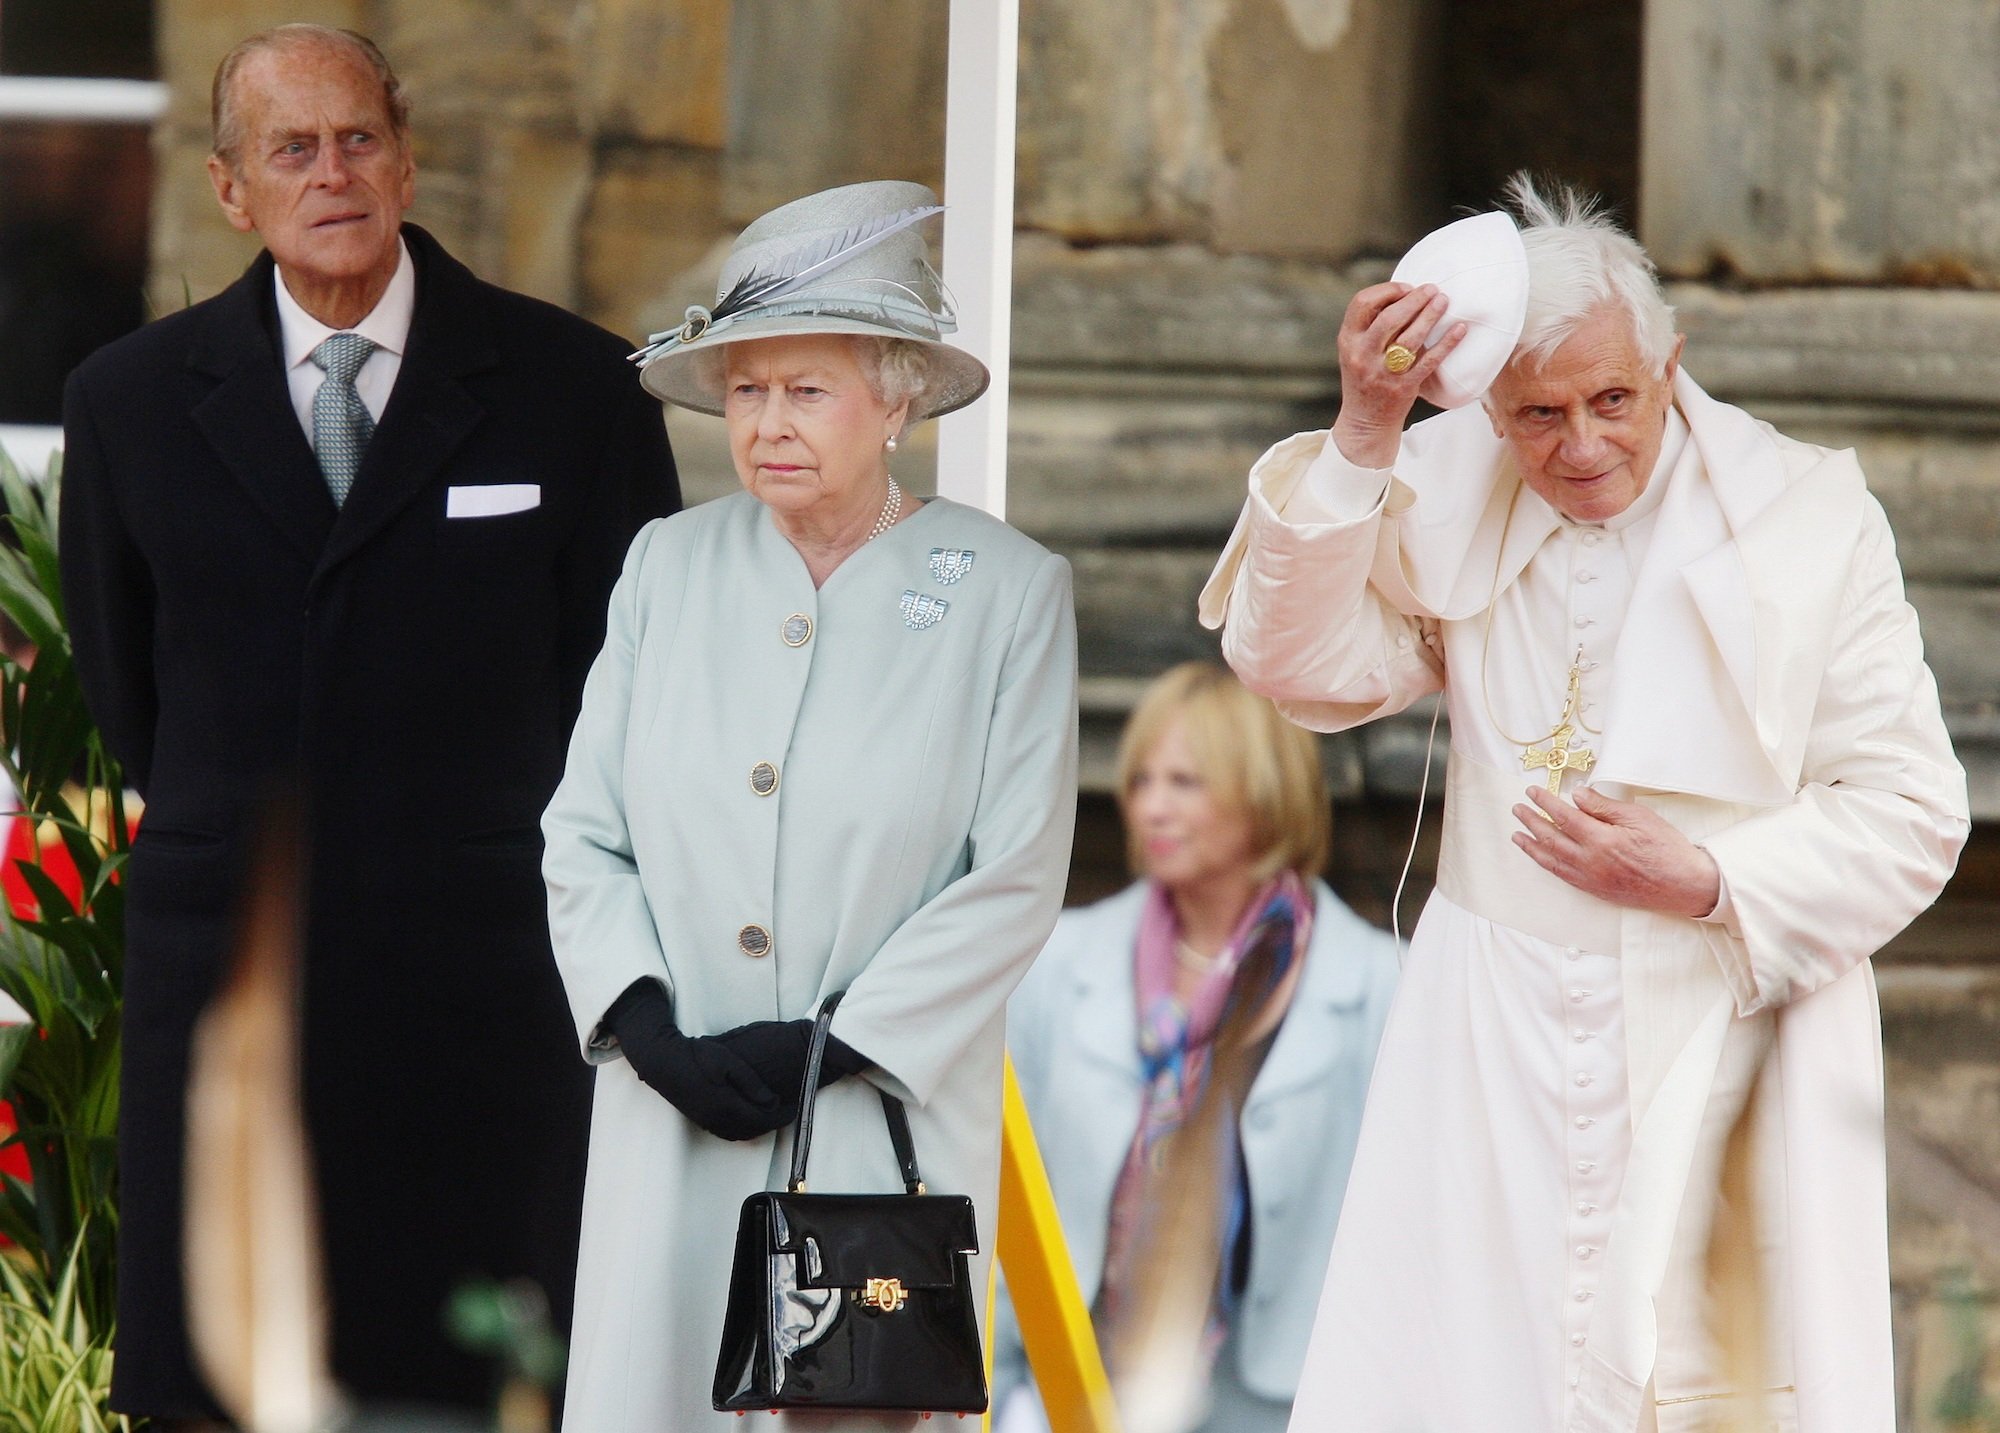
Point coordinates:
pixel 1579 260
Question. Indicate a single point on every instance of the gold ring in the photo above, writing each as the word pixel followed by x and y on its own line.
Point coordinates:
pixel 1398 359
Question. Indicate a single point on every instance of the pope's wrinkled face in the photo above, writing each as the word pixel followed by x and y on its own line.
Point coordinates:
pixel 320 173
pixel 806 428
pixel 1585 427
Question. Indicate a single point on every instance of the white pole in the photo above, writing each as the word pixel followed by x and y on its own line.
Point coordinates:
pixel 979 239
pixel 116 101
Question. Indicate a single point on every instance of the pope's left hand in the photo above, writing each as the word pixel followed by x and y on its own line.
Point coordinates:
pixel 1619 852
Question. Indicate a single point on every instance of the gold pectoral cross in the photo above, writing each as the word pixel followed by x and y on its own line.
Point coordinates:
pixel 1559 756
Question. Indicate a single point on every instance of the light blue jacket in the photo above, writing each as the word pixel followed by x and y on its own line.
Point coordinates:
pixel 777 791
pixel 1072 1029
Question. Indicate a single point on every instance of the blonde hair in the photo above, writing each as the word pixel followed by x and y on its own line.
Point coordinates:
pixel 1251 759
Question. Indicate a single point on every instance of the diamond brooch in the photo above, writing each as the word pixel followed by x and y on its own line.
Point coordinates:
pixel 921 610
pixel 948 564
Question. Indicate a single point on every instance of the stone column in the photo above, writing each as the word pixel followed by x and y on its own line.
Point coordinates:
pixel 1851 140
pixel 832 94
pixel 655 97
pixel 1277 127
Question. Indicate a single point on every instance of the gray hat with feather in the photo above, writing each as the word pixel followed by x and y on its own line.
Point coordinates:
pixel 847 260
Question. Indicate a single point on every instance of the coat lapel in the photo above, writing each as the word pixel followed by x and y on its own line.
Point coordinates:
pixel 1103 1020
pixel 1336 979
pixel 248 416
pixel 430 412
pixel 1795 555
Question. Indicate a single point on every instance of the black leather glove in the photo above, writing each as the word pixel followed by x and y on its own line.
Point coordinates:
pixel 776 1050
pixel 698 1075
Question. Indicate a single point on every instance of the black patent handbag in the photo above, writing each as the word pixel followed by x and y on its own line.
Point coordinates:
pixel 851 1301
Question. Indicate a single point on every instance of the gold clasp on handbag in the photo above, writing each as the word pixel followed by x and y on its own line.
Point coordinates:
pixel 884 1295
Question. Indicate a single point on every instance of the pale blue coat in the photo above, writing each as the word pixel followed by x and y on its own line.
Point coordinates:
pixel 1073 1031
pixel 914 853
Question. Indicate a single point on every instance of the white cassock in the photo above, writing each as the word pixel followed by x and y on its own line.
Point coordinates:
pixel 1522 1243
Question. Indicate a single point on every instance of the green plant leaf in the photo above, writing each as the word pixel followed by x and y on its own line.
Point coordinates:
pixel 51 898
pixel 65 968
pixel 14 1043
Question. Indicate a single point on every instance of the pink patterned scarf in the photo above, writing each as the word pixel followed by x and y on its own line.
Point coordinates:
pixel 1243 1000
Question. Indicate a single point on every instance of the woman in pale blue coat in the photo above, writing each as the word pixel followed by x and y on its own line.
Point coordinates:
pixel 830 744
pixel 1203 1305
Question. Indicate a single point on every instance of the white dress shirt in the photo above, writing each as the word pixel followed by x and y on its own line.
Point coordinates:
pixel 387 326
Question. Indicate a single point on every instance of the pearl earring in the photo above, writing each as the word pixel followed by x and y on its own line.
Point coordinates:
pixel 890 442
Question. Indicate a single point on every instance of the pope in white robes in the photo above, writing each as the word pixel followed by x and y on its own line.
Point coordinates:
pixel 1698 777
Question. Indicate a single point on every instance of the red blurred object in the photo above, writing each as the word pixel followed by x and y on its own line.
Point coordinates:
pixel 52 857
pixel 22 845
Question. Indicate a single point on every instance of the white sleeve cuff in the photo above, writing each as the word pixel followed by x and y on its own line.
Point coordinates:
pixel 1335 490
pixel 1724 913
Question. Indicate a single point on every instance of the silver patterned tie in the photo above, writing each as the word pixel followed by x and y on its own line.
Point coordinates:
pixel 342 424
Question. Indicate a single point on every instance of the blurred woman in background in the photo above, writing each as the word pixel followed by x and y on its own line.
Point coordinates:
pixel 1194 1052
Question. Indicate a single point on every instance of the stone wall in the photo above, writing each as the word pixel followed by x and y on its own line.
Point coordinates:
pixel 1202 185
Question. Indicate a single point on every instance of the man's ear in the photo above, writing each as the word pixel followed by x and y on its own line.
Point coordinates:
pixel 1674 358
pixel 228 186
pixel 408 186
pixel 1486 406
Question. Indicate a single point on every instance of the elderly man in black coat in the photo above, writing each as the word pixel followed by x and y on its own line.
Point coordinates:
pixel 350 527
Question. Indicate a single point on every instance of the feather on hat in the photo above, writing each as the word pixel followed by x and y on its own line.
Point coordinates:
pixel 846 260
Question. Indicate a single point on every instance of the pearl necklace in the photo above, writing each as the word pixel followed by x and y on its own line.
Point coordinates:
pixel 892 508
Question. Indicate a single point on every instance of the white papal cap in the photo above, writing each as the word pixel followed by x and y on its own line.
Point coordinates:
pixel 1481 267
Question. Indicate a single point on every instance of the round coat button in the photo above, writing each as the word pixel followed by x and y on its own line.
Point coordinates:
pixel 797 630
pixel 754 941
pixel 763 778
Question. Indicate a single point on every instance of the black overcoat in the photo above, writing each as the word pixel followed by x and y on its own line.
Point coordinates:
pixel 415 676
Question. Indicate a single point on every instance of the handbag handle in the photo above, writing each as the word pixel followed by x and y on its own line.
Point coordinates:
pixel 892 1111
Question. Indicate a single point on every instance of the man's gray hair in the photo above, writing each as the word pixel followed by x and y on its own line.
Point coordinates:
pixel 1579 260
pixel 226 123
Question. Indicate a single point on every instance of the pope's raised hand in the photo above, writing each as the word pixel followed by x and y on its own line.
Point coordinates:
pixel 1383 323
pixel 1618 851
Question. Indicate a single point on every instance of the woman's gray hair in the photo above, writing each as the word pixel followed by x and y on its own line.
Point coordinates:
pixel 1579 260
pixel 895 369
pixel 226 124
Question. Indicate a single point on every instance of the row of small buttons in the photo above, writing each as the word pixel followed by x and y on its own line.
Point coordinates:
pixel 755 940
pixel 1592 607
pixel 1592 1007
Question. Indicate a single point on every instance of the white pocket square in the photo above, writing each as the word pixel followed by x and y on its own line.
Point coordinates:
pixel 491 499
